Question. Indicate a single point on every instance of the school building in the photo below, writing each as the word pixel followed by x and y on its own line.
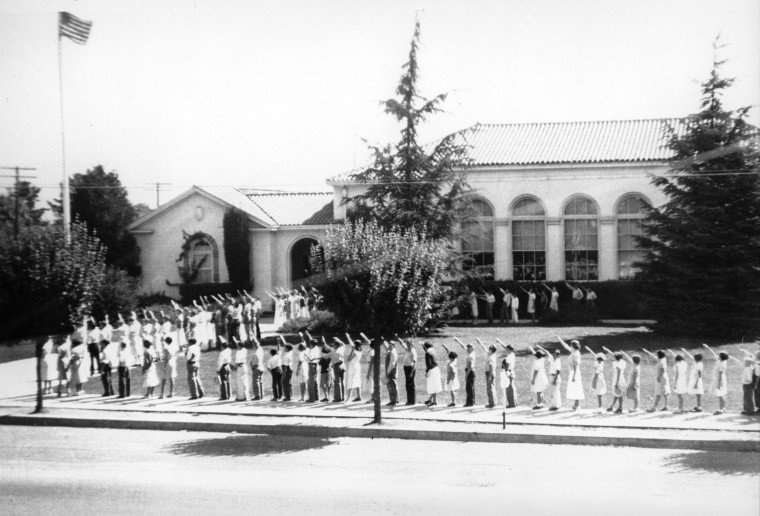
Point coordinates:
pixel 555 201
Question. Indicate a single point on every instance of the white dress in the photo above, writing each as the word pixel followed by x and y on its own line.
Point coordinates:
pixel 720 368
pixel 452 385
pixel 554 303
pixel 541 382
pixel 433 380
pixel 619 389
pixel 279 312
pixel 663 387
pixel 681 387
pixel 353 372
pixel 696 383
pixel 575 388
pixel 303 372
pixel 150 375
pixel 601 383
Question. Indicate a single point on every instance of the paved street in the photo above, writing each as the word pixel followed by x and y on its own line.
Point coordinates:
pixel 57 470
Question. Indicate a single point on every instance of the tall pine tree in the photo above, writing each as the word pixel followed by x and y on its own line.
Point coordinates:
pixel 410 185
pixel 703 247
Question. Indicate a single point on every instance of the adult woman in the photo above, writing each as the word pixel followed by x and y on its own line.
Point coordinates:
pixel 574 380
pixel 433 375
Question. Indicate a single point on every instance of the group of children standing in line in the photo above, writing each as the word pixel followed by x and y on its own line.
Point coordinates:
pixel 338 371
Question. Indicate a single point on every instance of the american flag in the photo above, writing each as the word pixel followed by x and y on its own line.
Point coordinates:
pixel 73 28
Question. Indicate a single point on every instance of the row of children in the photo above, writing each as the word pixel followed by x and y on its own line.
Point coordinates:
pixel 293 303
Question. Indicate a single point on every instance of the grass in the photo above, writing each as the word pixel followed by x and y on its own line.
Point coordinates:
pixel 630 340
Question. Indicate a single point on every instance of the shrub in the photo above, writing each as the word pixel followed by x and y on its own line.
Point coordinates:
pixel 383 280
pixel 320 322
pixel 237 248
pixel 118 294
pixel 49 283
pixel 154 299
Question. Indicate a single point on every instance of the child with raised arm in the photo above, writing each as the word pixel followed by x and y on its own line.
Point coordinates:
pixel 662 389
pixel 618 381
pixel 490 373
pixel 720 383
pixel 599 384
pixel 353 370
pixel 695 384
pixel 538 381
pixel 452 376
pixel 680 382
pixel 410 364
pixel 554 301
pixel 505 380
pixel 531 307
pixel 634 386
pixel 469 371
pixel 575 379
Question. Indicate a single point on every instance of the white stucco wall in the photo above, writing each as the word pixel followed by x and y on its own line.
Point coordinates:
pixel 160 248
pixel 554 186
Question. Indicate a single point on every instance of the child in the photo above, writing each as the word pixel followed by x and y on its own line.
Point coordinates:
pixel 223 370
pixel 354 371
pixel 325 377
pixel 505 380
pixel 634 387
pixel 433 375
pixel 618 381
pixel 275 369
pixel 720 382
pixel 599 384
pixel 555 381
pixel 452 376
pixel 575 380
pixel 680 384
pixel 302 367
pixel 663 381
pixel 748 385
pixel 695 385
pixel 125 360
pixel 149 369
pixel 539 382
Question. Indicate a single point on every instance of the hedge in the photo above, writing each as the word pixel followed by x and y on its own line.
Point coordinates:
pixel 615 299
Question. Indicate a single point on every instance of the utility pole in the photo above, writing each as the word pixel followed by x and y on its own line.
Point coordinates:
pixel 18 178
pixel 158 190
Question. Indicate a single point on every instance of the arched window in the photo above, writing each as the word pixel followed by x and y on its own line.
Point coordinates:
pixel 581 239
pixel 630 211
pixel 528 240
pixel 477 238
pixel 203 255
pixel 300 264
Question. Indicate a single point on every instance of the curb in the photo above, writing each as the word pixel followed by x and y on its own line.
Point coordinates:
pixel 390 433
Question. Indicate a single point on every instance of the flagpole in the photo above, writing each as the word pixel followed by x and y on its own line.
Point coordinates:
pixel 65 195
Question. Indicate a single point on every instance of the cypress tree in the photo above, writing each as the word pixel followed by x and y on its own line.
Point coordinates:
pixel 702 262
pixel 237 248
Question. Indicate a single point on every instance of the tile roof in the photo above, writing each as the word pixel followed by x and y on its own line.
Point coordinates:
pixel 295 209
pixel 546 143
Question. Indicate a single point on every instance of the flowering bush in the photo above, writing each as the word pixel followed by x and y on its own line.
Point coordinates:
pixel 49 284
pixel 383 281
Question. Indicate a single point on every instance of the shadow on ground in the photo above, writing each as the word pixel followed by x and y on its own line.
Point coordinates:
pixel 247 445
pixel 723 463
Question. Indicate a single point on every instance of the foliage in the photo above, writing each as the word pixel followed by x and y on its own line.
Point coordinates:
pixel 118 294
pixel 154 299
pixel 413 186
pixel 383 281
pixel 188 270
pixel 320 322
pixel 237 248
pixel 28 214
pixel 99 200
pixel 703 246
pixel 616 300
pixel 49 284
pixel 191 291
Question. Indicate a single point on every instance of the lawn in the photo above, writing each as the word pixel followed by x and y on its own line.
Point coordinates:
pixel 630 340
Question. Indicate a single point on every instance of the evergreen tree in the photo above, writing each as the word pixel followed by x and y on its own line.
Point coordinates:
pixel 100 201
pixel 237 248
pixel 703 247
pixel 413 186
pixel 28 214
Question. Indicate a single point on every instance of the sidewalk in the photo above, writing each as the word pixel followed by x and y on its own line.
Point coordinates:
pixel 659 429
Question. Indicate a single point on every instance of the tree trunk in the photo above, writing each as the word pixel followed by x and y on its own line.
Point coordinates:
pixel 376 376
pixel 39 409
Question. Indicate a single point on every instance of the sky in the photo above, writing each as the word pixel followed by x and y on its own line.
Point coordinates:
pixel 281 94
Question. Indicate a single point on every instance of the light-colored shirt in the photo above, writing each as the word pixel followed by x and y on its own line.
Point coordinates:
pixel 274 362
pixel 225 357
pixel 125 357
pixel 470 360
pixel 392 359
pixel 193 353
pixel 490 299
pixel 747 374
pixel 287 359
pixel 515 303
pixel 240 356
pixel 410 358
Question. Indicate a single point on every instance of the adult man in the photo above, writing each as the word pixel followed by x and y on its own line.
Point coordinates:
pixel 257 370
pixel 506 303
pixel 193 357
pixel 391 371
pixel 410 364
pixel 469 372
pixel 339 368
